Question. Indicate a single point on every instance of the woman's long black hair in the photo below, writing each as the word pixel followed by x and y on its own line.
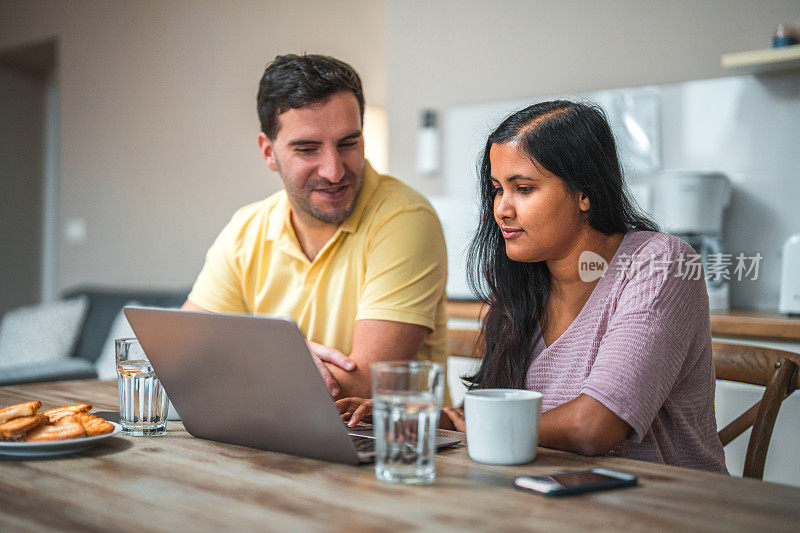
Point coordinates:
pixel 574 142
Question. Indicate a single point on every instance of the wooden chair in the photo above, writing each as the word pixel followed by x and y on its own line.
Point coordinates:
pixel 777 370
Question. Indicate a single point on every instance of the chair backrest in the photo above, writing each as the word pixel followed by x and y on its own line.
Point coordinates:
pixel 777 370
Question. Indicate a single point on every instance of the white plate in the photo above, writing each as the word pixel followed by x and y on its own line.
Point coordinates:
pixel 53 447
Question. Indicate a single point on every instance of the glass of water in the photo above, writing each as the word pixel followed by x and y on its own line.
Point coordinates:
pixel 143 403
pixel 406 403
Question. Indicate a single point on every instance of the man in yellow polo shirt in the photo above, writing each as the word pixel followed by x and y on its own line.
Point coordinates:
pixel 356 258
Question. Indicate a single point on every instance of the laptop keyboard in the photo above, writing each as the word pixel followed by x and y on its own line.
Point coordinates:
pixel 363 444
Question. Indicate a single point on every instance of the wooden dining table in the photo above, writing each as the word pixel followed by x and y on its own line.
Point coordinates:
pixel 177 482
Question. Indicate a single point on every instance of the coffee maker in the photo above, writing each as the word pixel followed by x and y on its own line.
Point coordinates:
pixel 690 204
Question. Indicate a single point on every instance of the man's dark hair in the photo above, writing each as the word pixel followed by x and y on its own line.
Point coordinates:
pixel 293 81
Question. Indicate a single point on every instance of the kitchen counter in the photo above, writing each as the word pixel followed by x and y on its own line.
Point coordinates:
pixel 757 324
pixel 750 324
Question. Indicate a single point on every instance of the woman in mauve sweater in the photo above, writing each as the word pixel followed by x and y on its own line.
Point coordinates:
pixel 623 359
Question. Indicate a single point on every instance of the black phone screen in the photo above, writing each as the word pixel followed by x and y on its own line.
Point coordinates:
pixel 574 479
pixel 575 482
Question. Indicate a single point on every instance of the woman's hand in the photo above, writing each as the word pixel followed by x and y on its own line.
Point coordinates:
pixel 354 410
pixel 453 419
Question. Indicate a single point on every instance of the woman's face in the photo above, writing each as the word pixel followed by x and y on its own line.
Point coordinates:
pixel 539 217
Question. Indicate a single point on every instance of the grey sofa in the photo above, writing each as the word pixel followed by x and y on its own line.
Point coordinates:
pixel 104 305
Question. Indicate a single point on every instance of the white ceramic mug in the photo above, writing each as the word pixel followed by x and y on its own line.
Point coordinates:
pixel 502 425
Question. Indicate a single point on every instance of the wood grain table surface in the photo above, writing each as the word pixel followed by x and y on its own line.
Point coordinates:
pixel 179 483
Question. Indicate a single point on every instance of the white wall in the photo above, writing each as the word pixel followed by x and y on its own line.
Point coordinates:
pixel 158 123
pixel 746 127
pixel 458 51
pixel 158 120
pixel 743 126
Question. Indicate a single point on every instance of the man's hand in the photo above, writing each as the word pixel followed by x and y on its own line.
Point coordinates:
pixel 322 353
pixel 354 410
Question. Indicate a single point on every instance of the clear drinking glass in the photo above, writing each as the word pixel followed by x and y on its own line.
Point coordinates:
pixel 406 403
pixel 143 403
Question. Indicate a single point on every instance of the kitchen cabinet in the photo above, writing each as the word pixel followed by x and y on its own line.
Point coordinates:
pixel 765 60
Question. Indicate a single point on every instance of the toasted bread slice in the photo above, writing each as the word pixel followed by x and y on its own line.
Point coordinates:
pixel 20 425
pixel 60 412
pixel 94 425
pixel 67 430
pixel 19 410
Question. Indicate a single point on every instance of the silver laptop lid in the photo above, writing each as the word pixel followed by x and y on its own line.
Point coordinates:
pixel 243 379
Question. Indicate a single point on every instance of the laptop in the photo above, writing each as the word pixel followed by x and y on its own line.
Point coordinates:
pixel 249 380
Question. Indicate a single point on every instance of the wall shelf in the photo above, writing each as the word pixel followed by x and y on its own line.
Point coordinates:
pixel 766 60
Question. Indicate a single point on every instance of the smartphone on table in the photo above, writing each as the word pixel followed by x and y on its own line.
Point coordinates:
pixel 565 483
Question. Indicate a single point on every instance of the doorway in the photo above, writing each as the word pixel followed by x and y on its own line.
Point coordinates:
pixel 28 175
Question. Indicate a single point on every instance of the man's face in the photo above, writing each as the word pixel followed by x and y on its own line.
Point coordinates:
pixel 319 154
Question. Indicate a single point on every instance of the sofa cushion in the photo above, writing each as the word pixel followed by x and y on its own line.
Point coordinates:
pixel 106 364
pixel 104 305
pixel 41 333
pixel 70 368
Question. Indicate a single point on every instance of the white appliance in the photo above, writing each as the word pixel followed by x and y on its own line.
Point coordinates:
pixel 691 204
pixel 790 276
pixel 459 218
pixel 688 202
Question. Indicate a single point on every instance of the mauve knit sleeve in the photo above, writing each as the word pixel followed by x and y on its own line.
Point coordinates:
pixel 647 341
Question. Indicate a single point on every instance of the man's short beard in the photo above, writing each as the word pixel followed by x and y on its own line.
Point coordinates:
pixel 328 217
pixel 300 198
